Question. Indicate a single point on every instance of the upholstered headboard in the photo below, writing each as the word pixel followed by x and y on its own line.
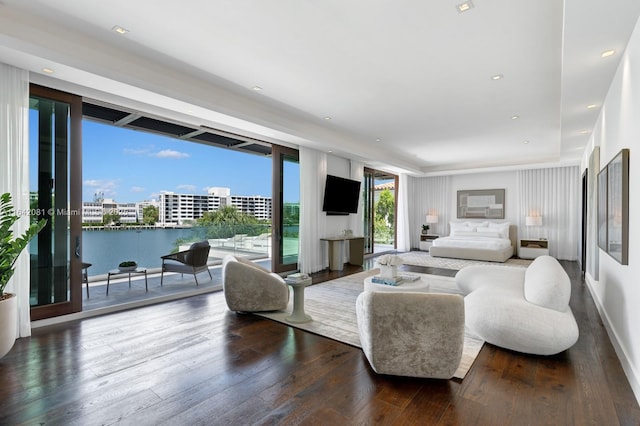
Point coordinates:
pixel 513 236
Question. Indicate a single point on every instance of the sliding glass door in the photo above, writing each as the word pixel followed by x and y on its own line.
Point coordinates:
pixel 380 200
pixel 286 209
pixel 55 156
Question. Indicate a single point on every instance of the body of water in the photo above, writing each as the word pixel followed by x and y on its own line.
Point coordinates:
pixel 106 249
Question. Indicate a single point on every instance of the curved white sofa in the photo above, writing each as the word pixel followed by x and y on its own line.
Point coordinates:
pixel 522 309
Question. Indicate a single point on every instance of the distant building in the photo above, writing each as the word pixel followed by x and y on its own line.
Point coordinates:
pixel 93 211
pixel 141 206
pixel 182 209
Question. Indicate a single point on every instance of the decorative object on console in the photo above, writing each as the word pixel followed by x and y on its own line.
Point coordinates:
pixel 389 265
pixel 481 204
pixel 613 208
pixel 430 219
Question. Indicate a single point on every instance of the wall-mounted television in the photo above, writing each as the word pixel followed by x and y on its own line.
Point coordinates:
pixel 341 196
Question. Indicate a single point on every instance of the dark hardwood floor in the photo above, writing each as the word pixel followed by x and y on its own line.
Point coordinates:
pixel 192 361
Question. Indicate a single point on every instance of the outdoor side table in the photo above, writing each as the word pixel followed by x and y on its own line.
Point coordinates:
pixel 133 271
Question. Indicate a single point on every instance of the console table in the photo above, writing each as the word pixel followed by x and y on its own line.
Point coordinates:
pixel 336 251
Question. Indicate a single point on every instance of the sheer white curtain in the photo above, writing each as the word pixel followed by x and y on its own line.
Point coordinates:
pixel 552 193
pixel 404 228
pixel 356 221
pixel 313 171
pixel 429 195
pixel 14 173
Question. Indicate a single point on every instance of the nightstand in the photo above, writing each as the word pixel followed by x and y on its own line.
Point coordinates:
pixel 426 240
pixel 532 248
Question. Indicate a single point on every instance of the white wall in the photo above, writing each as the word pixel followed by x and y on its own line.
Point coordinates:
pixel 497 180
pixel 617 293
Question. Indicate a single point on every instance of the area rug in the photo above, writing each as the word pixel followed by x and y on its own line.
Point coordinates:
pixel 332 305
pixel 420 258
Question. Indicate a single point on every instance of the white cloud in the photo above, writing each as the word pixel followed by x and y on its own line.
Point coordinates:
pixel 139 151
pixel 170 153
pixel 137 189
pixel 91 183
pixel 188 188
pixel 106 187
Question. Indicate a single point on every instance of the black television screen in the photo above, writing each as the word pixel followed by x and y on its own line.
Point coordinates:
pixel 341 196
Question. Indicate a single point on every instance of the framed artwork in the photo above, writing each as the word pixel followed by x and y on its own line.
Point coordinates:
pixel 613 208
pixel 602 209
pixel 480 204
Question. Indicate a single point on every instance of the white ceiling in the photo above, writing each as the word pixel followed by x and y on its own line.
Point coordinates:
pixel 407 88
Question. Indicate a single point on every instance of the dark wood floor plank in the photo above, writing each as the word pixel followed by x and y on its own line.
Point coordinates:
pixel 192 361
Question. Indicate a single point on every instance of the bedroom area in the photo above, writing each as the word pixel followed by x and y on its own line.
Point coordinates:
pixel 531 205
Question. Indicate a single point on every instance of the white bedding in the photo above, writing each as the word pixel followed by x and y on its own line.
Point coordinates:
pixel 478 241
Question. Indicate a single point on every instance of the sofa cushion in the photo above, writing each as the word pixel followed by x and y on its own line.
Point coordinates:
pixel 547 284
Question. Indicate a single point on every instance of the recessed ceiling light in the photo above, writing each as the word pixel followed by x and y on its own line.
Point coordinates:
pixel 47 70
pixel 378 140
pixel 497 77
pixel 515 117
pixel 463 7
pixel 526 142
pixel 585 132
pixel 327 118
pixel 119 29
pixel 592 106
pixel 608 53
pixel 256 88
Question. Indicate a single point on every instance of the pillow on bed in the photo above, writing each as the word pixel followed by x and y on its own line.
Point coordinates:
pixel 501 228
pixel 463 233
pixel 457 227
pixel 488 233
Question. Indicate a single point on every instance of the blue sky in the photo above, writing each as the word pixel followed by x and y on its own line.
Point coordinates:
pixel 131 166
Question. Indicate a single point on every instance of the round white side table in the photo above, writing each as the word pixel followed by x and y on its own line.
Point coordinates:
pixel 298 315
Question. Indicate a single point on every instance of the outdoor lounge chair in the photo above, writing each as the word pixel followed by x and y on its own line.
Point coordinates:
pixel 191 261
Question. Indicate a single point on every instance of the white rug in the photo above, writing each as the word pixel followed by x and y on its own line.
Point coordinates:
pixel 420 258
pixel 331 304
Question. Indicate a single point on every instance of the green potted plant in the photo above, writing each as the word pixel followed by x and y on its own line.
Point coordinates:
pixel 425 229
pixel 10 249
pixel 127 266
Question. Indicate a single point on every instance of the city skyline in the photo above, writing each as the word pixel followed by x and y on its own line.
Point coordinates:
pixel 131 166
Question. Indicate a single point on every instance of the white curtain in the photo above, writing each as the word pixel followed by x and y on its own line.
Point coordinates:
pixel 313 171
pixel 14 173
pixel 429 195
pixel 404 228
pixel 356 221
pixel 552 193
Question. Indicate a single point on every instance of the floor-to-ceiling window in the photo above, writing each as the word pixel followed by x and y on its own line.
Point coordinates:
pixel 150 187
pixel 379 196
pixel 55 173
pixel 286 201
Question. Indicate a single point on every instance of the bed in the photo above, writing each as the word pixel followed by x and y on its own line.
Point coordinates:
pixel 488 241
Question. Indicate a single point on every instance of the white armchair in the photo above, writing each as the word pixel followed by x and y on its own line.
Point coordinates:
pixel 248 287
pixel 412 334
